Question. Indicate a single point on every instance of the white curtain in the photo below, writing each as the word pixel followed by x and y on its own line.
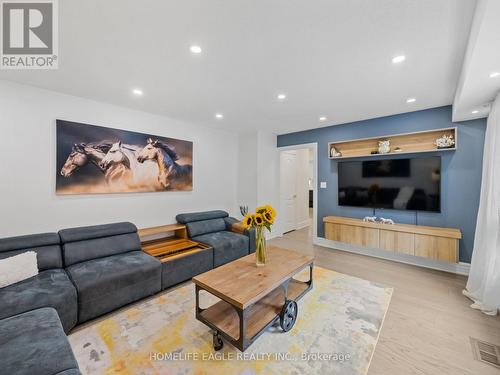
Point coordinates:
pixel 483 286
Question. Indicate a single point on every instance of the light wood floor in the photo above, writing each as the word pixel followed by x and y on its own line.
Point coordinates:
pixel 429 322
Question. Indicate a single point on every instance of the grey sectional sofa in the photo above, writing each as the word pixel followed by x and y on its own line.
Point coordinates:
pixel 35 343
pixel 108 267
pixel 215 228
pixel 50 288
pixel 89 271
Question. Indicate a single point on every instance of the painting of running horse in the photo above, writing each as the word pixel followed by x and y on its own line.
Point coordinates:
pixel 98 160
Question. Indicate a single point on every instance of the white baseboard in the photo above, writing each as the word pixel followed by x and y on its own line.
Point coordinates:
pixel 457 268
pixel 303 224
pixel 270 236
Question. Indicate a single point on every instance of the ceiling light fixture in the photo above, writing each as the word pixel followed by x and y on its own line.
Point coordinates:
pixel 398 59
pixel 219 116
pixel 195 49
pixel 494 74
pixel 281 96
pixel 475 111
pixel 322 118
pixel 411 100
pixel 137 92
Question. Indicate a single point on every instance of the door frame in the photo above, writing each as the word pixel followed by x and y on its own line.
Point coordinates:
pixel 314 148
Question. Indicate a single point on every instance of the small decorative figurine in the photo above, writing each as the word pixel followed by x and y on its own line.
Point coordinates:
pixel 398 149
pixel 386 221
pixel 446 141
pixel 384 146
pixel 370 219
pixel 334 153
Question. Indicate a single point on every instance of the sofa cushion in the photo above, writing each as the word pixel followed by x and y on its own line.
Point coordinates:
pixel 50 288
pixel 227 246
pixel 18 268
pixel 105 284
pixel 34 343
pixel 199 216
pixel 197 228
pixel 96 231
pixel 185 266
pixel 46 245
pixel 86 243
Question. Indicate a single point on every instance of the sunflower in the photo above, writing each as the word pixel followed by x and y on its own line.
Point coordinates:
pixel 248 221
pixel 259 219
pixel 260 209
pixel 268 217
pixel 270 209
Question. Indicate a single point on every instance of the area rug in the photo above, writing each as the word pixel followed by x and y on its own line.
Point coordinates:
pixel 336 332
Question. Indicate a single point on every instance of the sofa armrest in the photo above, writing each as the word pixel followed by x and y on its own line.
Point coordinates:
pixel 236 226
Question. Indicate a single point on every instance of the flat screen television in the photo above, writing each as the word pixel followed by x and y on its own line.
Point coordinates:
pixel 401 184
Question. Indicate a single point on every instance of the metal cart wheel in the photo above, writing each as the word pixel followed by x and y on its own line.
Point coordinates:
pixel 218 343
pixel 288 315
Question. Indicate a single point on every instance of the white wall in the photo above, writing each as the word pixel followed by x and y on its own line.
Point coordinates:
pixel 302 175
pixel 247 170
pixel 28 203
pixel 258 166
pixel 268 189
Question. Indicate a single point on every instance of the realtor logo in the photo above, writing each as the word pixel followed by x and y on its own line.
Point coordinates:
pixel 29 34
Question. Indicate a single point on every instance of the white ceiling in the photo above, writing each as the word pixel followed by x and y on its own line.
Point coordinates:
pixel 331 58
pixel 476 90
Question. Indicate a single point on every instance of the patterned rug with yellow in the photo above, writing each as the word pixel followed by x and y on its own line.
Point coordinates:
pixel 337 328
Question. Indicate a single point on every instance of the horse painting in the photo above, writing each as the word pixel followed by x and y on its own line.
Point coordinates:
pixel 171 174
pixel 131 173
pixel 83 153
pixel 95 160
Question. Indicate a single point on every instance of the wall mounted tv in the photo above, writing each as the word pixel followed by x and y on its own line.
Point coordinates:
pixel 400 184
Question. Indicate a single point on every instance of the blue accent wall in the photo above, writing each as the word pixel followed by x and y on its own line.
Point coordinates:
pixel 460 170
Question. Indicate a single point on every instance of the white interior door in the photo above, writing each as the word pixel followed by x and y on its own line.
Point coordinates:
pixel 289 189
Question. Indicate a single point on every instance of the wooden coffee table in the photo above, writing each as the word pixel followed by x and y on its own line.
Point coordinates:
pixel 253 298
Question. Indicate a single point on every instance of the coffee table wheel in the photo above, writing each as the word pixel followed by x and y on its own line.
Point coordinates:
pixel 218 343
pixel 288 315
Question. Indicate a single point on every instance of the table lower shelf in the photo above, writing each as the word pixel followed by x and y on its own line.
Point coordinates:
pixel 225 317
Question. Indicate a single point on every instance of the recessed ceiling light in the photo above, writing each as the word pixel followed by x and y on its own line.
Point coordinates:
pixel 398 59
pixel 219 115
pixel 411 100
pixel 322 118
pixel 195 49
pixel 494 74
pixel 281 96
pixel 475 111
pixel 137 92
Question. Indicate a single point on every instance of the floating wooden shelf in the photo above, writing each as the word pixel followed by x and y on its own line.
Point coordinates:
pixel 408 143
pixel 429 242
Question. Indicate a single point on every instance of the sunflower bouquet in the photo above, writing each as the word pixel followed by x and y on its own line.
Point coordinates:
pixel 262 218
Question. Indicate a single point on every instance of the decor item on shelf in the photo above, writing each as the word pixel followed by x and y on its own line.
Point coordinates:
pixel 370 219
pixel 446 141
pixel 386 221
pixel 384 146
pixel 118 161
pixel 262 218
pixel 404 143
pixel 334 153
pixel 244 210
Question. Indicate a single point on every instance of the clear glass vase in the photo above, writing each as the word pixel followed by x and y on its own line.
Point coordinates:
pixel 260 247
